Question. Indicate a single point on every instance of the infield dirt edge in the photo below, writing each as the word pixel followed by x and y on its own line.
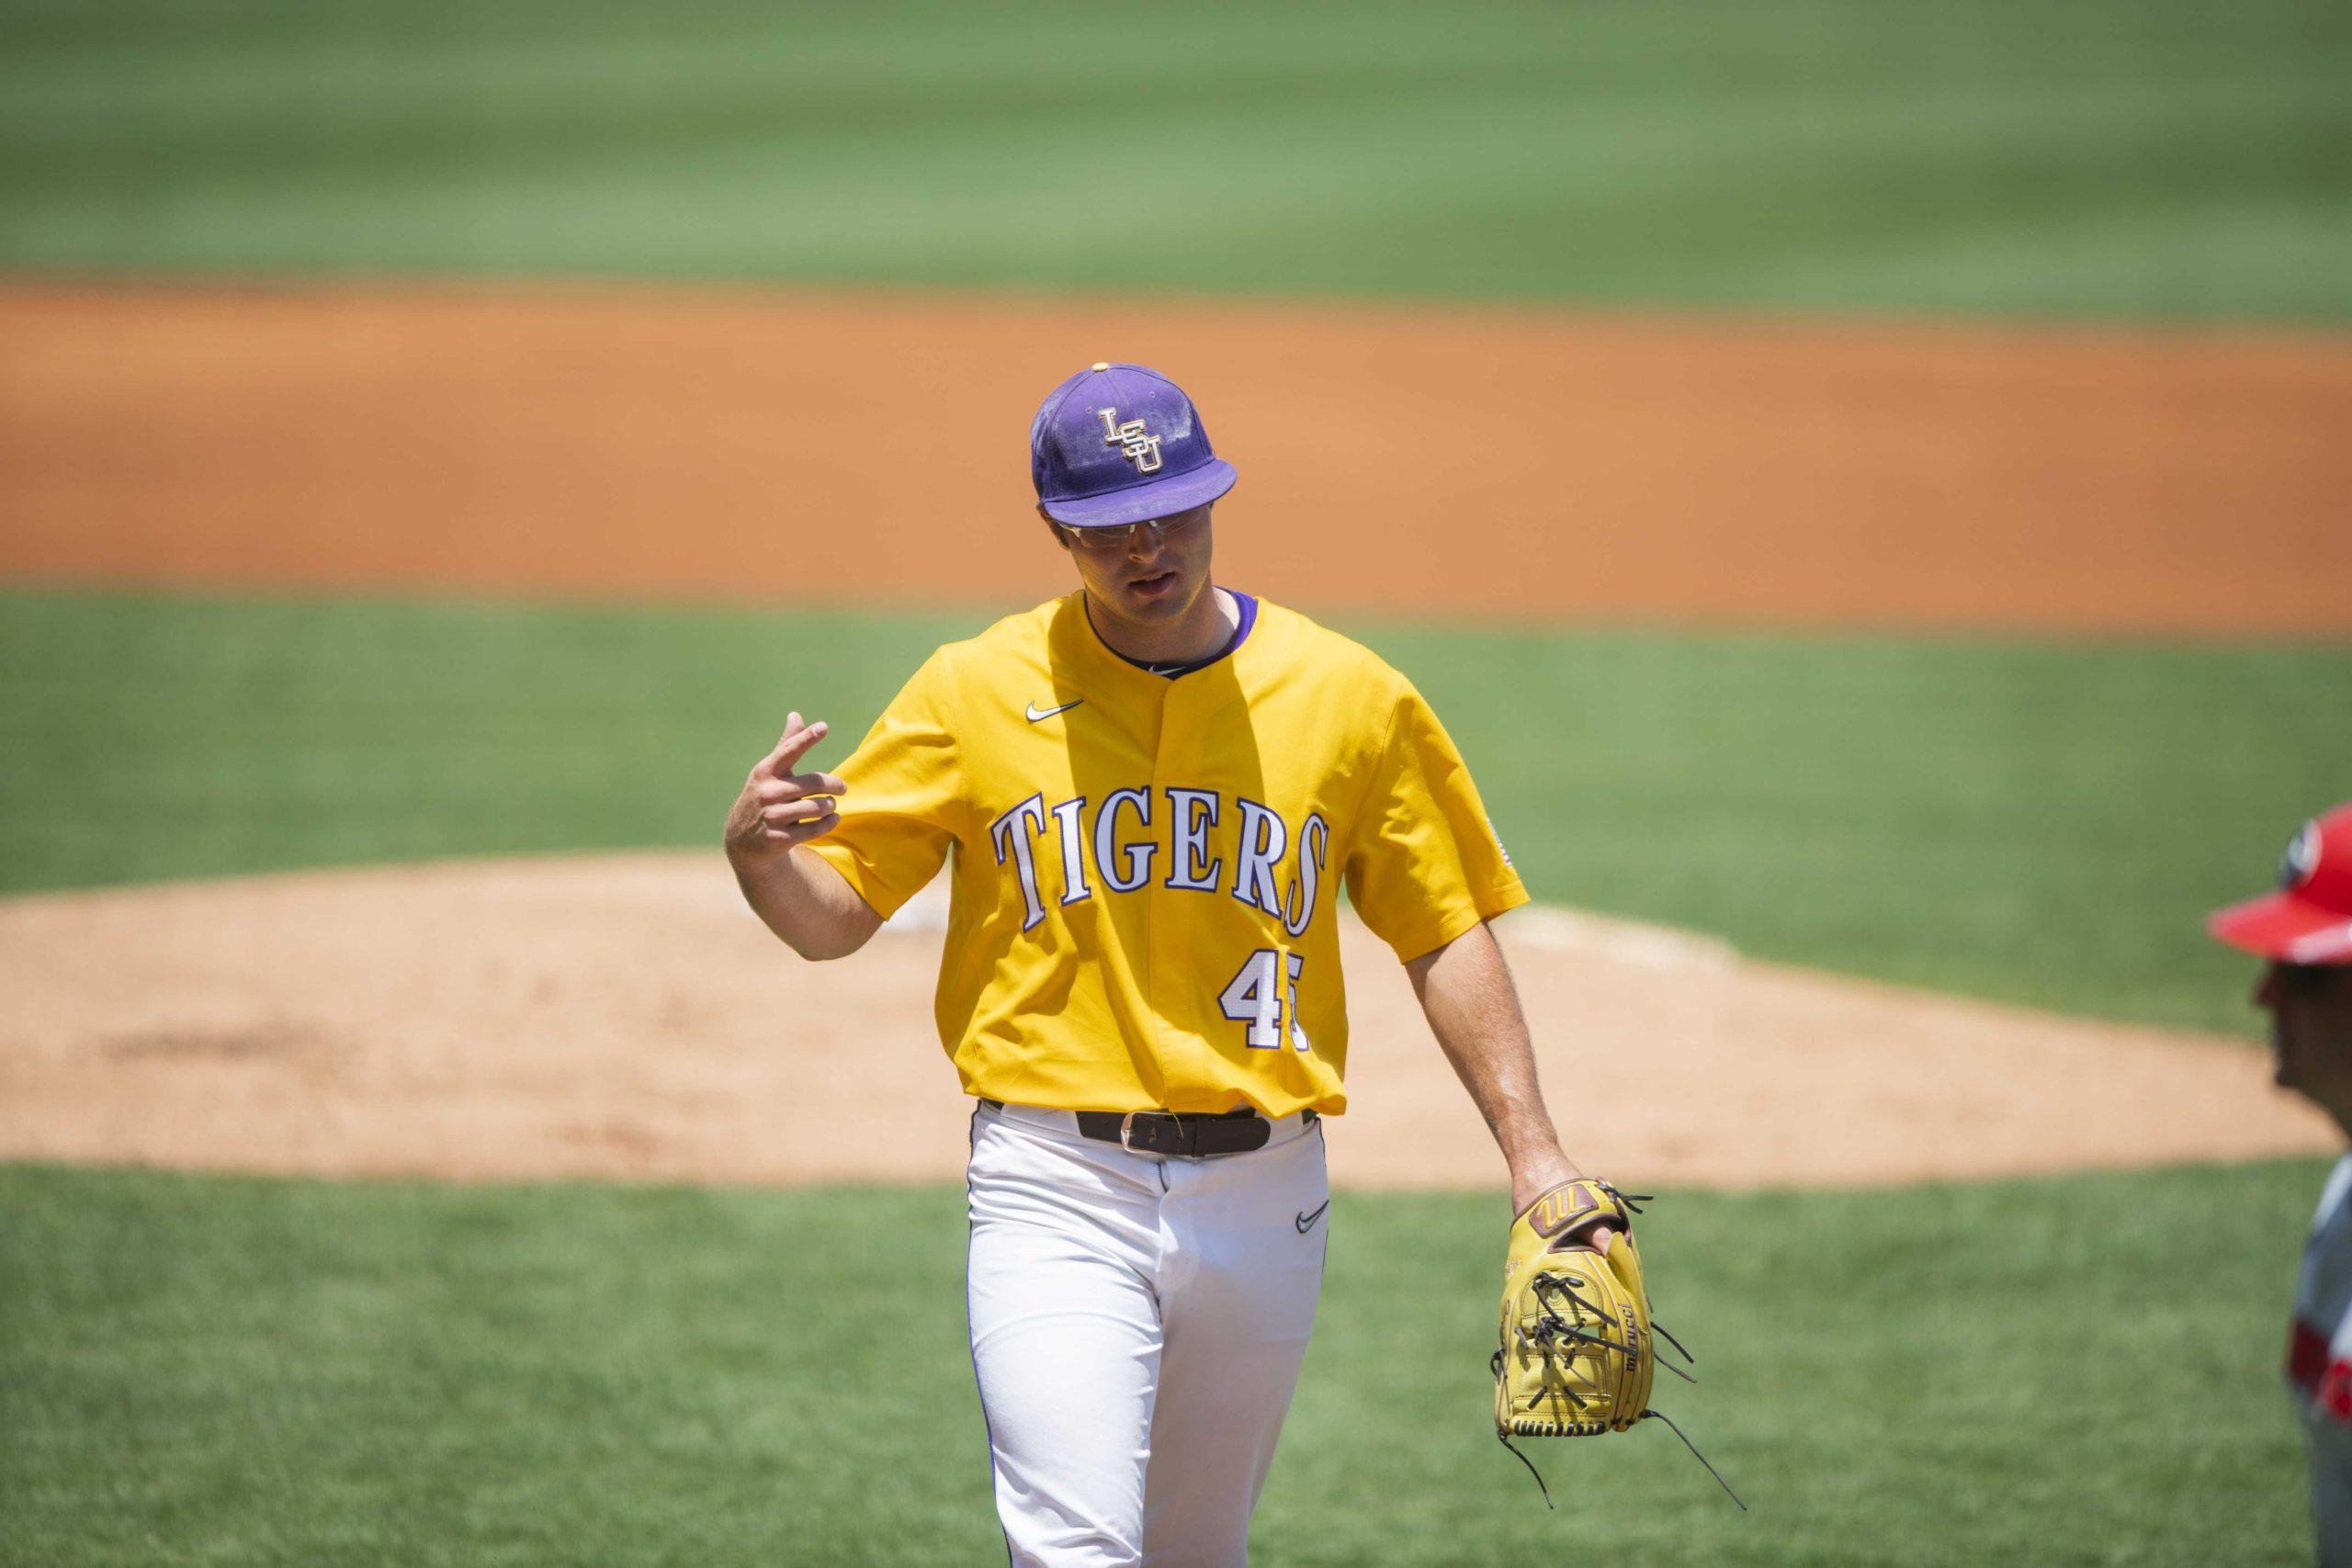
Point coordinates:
pixel 623 1016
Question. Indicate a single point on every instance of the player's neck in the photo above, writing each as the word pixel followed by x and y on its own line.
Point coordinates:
pixel 1207 626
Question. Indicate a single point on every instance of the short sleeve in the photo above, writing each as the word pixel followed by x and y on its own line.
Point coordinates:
pixel 898 818
pixel 1423 865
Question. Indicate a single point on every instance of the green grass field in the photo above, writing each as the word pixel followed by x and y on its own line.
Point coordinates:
pixel 2075 157
pixel 206 1370
pixel 2041 823
pixel 209 1371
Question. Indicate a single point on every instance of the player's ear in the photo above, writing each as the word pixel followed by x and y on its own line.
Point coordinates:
pixel 1053 527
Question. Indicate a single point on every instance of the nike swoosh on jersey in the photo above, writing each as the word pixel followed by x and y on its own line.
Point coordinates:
pixel 1306 1222
pixel 1037 713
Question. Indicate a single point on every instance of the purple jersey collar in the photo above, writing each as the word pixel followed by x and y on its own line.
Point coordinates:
pixel 1246 603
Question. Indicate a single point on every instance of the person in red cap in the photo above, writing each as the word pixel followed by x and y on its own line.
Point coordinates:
pixel 2304 930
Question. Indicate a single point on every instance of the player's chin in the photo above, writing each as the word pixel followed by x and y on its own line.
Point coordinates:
pixel 2283 1064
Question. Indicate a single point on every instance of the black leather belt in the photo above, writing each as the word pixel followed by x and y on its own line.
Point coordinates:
pixel 1179 1132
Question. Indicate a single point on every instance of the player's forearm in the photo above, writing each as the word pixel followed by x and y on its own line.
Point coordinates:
pixel 1466 993
pixel 806 903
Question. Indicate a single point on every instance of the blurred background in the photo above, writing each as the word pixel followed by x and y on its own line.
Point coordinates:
pixel 1864 483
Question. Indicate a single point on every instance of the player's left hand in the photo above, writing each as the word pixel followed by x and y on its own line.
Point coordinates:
pixel 1576 1354
pixel 1578 1349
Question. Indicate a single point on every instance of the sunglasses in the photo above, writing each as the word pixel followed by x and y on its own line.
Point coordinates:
pixel 1113 536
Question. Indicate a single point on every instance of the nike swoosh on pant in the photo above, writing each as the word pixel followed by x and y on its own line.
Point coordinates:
pixel 1306 1222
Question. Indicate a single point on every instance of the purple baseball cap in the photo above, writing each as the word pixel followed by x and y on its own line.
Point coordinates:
pixel 1121 443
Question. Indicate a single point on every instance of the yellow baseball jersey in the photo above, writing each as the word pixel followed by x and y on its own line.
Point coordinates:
pixel 1146 869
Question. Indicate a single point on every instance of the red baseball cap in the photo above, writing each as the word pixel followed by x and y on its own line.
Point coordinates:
pixel 2309 920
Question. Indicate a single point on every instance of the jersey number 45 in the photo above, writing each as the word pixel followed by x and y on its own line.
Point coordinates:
pixel 1263 993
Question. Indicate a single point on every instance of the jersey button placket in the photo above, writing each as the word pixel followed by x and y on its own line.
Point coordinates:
pixel 1177 762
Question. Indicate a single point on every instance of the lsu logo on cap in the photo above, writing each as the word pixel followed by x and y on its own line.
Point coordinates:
pixel 1138 448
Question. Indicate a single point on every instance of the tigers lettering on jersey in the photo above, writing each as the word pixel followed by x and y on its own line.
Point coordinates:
pixel 1123 865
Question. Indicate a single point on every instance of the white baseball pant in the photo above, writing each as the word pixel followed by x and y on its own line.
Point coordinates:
pixel 1138 1324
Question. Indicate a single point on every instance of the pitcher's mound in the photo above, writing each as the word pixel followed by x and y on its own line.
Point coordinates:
pixel 625 1015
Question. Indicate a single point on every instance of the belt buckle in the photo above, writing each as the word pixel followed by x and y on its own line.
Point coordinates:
pixel 1175 1122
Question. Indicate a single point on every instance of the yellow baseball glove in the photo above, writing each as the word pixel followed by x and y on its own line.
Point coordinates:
pixel 1578 1348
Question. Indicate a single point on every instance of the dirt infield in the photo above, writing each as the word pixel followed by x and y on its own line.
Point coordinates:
pixel 624 1016
pixel 863 446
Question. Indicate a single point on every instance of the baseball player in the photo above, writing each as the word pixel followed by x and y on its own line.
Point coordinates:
pixel 2305 931
pixel 1151 790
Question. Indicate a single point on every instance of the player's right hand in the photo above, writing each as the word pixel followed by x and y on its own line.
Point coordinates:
pixel 778 808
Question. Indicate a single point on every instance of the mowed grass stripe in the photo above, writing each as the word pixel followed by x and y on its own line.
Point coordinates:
pixel 2104 157
pixel 215 1371
pixel 2040 822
